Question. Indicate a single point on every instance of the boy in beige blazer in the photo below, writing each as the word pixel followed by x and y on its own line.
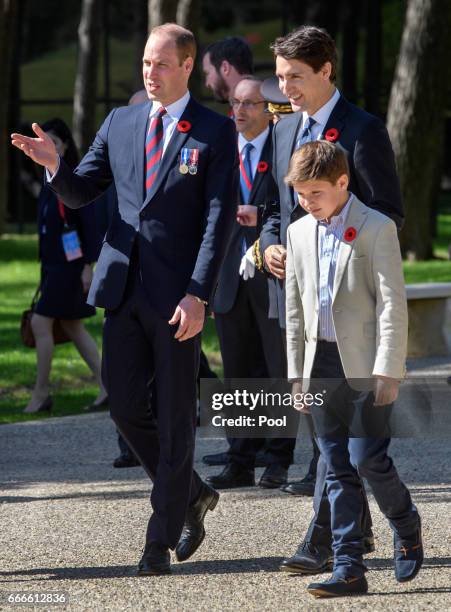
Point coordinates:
pixel 347 321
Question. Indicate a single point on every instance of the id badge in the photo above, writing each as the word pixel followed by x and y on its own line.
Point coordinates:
pixel 71 245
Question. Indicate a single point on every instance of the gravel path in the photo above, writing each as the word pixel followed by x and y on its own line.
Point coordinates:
pixel 71 523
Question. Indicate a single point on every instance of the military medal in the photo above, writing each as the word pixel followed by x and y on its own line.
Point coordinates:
pixel 184 156
pixel 193 159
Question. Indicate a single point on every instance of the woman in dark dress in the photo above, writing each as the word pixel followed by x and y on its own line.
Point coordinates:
pixel 66 274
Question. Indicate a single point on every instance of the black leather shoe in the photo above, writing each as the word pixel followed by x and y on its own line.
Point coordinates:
pixel 338 587
pixel 304 487
pixel 194 530
pixel 216 459
pixel 408 556
pixel 273 477
pixel 309 559
pixel 223 459
pixel 125 461
pixel 231 477
pixel 156 560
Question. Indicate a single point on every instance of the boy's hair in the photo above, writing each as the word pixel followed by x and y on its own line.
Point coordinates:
pixel 309 44
pixel 317 160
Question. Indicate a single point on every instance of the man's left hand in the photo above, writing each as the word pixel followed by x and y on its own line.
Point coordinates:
pixel 190 314
pixel 247 215
pixel 386 390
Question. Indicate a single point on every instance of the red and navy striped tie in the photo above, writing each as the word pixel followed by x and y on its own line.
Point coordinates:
pixel 154 148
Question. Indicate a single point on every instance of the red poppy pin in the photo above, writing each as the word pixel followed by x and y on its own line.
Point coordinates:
pixel 332 135
pixel 262 166
pixel 349 234
pixel 183 126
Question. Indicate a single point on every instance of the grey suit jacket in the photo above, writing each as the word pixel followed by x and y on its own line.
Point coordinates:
pixel 369 307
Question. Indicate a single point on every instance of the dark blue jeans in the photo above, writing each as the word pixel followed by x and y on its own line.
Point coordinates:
pixel 348 459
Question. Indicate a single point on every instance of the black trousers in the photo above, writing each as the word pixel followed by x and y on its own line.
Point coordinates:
pixel 138 347
pixel 252 346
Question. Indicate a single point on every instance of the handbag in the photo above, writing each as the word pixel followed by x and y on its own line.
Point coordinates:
pixel 26 331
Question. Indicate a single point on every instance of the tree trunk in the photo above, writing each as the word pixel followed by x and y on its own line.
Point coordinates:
pixel 84 120
pixel 140 17
pixel 416 116
pixel 350 48
pixel 161 11
pixel 8 29
pixel 188 16
pixel 373 57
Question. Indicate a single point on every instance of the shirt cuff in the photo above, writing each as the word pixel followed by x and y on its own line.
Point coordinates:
pixel 49 177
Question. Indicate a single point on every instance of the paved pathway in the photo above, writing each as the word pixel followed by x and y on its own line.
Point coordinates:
pixel 71 523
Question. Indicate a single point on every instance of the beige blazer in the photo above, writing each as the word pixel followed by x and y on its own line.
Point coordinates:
pixel 369 307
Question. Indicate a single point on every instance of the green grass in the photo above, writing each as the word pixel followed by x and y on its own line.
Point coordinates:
pixel 72 384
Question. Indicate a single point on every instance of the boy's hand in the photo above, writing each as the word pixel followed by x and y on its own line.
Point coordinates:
pixel 296 394
pixel 275 260
pixel 386 390
pixel 40 149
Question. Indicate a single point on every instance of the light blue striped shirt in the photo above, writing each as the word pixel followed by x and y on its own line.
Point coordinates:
pixel 329 238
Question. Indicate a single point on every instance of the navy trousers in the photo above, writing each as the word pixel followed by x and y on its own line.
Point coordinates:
pixel 348 459
pixel 138 347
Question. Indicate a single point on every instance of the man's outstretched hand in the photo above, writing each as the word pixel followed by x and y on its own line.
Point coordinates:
pixel 190 315
pixel 41 149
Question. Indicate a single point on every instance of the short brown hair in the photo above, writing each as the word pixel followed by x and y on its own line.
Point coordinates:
pixel 311 45
pixel 317 160
pixel 183 38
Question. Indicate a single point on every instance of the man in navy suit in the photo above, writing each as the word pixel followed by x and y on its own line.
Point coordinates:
pixel 306 61
pixel 251 343
pixel 175 168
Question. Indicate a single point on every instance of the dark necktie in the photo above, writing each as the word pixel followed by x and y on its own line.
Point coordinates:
pixel 154 148
pixel 246 173
pixel 306 135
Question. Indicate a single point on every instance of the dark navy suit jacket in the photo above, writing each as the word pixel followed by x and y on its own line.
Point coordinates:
pixel 181 227
pixel 51 227
pixel 229 278
pixel 374 181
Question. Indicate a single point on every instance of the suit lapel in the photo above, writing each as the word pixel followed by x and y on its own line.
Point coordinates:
pixel 141 121
pixel 258 178
pixel 337 117
pixel 311 244
pixel 356 218
pixel 288 146
pixel 177 141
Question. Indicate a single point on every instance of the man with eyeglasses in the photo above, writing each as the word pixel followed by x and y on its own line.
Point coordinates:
pixel 251 343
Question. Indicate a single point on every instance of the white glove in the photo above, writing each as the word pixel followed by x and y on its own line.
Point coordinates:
pixel 247 266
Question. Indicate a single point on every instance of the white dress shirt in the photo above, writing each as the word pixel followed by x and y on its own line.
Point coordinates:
pixel 256 152
pixel 321 117
pixel 172 116
pixel 330 236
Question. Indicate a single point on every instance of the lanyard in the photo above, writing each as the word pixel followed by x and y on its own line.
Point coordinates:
pixel 62 212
